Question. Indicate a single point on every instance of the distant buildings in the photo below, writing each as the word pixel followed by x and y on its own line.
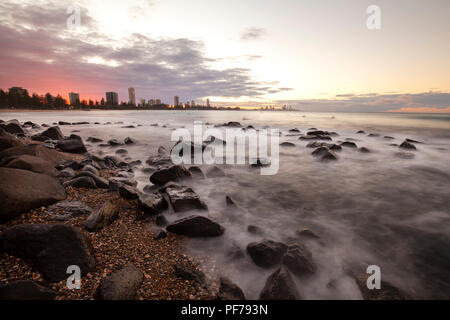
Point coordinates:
pixel 176 101
pixel 132 96
pixel 207 103
pixel 19 91
pixel 158 102
pixel 112 98
pixel 192 103
pixel 142 104
pixel 74 99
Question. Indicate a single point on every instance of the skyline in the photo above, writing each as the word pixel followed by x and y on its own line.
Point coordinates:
pixel 314 56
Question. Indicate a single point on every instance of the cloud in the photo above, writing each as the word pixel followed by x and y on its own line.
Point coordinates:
pixel 253 34
pixel 38 51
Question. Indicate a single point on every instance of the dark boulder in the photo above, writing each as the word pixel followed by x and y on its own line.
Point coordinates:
pixel 94 140
pixel 267 253
pixel 364 150
pixel 174 173
pixel 280 286
pixel 152 204
pixel 22 190
pixel 90 168
pixel 12 126
pixel 298 259
pixel 184 199
pixel 387 291
pixel 229 290
pixel 116 182
pixel 349 144
pixel 53 133
pixel 26 290
pixel 196 172
pixel 128 140
pixel 81 182
pixel 307 233
pixel 8 140
pixel 65 210
pixel 188 273
pixel 408 145
pixel 102 217
pixel 161 234
pixel 30 163
pixel 36 150
pixel 329 156
pixel 287 145
pixel 196 226
pixel 128 192
pixel 114 142
pixel 255 230
pixel 121 285
pixel 64 123
pixel 71 146
pixel 99 181
pixel 66 173
pixel 50 248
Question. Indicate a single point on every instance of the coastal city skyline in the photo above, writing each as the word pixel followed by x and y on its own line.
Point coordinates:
pixel 315 56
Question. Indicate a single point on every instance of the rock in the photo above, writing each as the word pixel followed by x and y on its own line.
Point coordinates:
pixel 128 192
pixel 121 151
pixel 280 286
pixel 387 291
pixel 162 151
pixel 22 190
pixel 255 230
pixel 66 173
pixel 235 252
pixel 161 234
pixel 361 132
pixel 12 126
pixel 161 221
pixel 159 161
pixel 90 168
pixel 26 290
pixel 310 137
pixel 53 133
pixel 295 130
pixel 287 145
pixel 349 144
pixel 128 127
pixel 320 152
pixel 103 217
pixel 196 226
pixel 266 253
pixel 318 133
pixel 407 145
pixel 298 259
pixel 115 183
pixel 187 273
pixel 364 150
pixel 81 182
pixel 8 140
pixel 114 142
pixel 229 291
pixel 184 199
pixel 38 137
pixel 121 285
pixel 230 202
pixel 99 181
pixel 233 124
pixel 72 164
pixel 68 209
pixel 405 155
pixel 373 135
pixel 128 140
pixel 329 156
pixel 307 233
pixel 36 150
pixel 63 123
pixel 50 248
pixel 71 146
pixel 174 173
pixel 180 146
pixel 152 203
pixel 94 140
pixel 413 141
pixel 80 123
pixel 215 172
pixel 196 172
pixel 260 163
pixel 30 163
pixel 389 138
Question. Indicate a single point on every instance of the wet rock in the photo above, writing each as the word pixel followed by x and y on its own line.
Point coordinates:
pixel 180 146
pixel 38 137
pixel 184 199
pixel 12 126
pixel 232 124
pixel 128 127
pixel 66 173
pixel 71 146
pixel 30 163
pixel 116 182
pixel 373 135
pixel 152 204
pixel 121 151
pixel 408 145
pixel 187 273
pixel 196 172
pixel 36 150
pixel 102 217
pixel 298 259
pixel 387 291
pixel 159 161
pixel 287 145
pixel 361 132
pixel 22 190
pixel 68 210
pixel 8 140
pixel 26 290
pixel 235 252
pixel 174 173
pixel 75 136
pixel 295 130
pixel 389 138
pixel 53 133
pixel 266 253
pixel 128 192
pixel 405 155
pixel 255 230
pixel 121 285
pixel 364 150
pixel 161 234
pixel 318 133
pixel 230 202
pixel 310 137
pixel 90 168
pixel 161 221
pixel 259 163
pixel 81 182
pixel 413 141
pixel 50 248
pixel 229 290
pixel 307 233
pixel 94 140
pixel 72 164
pixel 280 286
pixel 349 144
pixel 128 140
pixel 63 123
pixel 321 151
pixel 99 181
pixel 114 142
pixel 329 156
pixel 196 226
pixel 215 172
pixel 162 151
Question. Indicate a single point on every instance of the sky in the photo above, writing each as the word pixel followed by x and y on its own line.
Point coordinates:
pixel 313 55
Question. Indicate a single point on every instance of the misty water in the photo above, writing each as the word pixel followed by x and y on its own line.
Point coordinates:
pixel 379 208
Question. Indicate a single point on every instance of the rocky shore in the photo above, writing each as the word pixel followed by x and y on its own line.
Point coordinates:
pixel 62 206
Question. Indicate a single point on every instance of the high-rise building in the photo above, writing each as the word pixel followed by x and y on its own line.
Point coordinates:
pixel 132 96
pixel 207 103
pixel 112 98
pixel 74 99
pixel 142 103
pixel 192 103
pixel 176 101
pixel 151 102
